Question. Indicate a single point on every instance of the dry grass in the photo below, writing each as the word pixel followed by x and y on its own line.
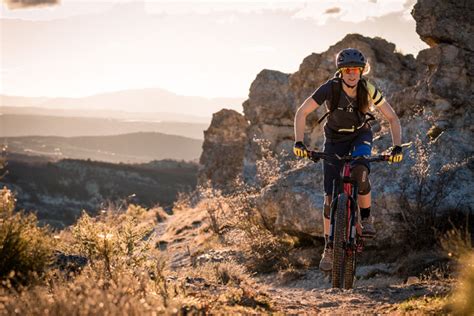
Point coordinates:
pixel 457 244
pixel 25 249
pixel 424 305
pixel 227 272
pixel 462 300
pixel 125 275
pixel 234 217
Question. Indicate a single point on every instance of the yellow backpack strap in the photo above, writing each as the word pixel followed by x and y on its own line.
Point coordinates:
pixel 374 94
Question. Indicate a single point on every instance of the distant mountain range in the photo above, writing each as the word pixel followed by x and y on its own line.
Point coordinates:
pixel 109 114
pixel 13 125
pixel 127 148
pixel 124 126
pixel 152 100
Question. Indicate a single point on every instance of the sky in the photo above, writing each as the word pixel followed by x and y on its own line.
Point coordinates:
pixel 195 48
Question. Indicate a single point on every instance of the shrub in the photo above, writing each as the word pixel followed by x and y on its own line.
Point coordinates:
pixel 226 272
pixel 235 218
pixel 421 198
pixel 114 240
pixel 462 301
pixel 3 162
pixel 216 207
pixel 457 244
pixel 89 293
pixel 269 166
pixel 25 249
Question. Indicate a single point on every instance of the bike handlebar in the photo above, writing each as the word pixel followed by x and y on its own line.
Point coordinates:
pixel 316 155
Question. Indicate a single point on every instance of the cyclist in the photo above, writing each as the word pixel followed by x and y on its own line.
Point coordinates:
pixel 348 97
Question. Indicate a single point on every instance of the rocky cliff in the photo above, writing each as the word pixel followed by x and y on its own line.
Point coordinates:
pixel 223 148
pixel 432 95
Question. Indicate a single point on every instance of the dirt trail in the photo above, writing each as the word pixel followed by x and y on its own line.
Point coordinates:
pixel 312 293
pixel 376 291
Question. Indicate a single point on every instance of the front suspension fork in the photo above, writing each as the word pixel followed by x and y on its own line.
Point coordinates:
pixel 352 242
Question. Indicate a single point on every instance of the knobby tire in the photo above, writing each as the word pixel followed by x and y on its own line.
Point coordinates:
pixel 350 260
pixel 349 268
pixel 340 229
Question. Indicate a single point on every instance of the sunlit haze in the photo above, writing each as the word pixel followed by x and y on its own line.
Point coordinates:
pixel 193 48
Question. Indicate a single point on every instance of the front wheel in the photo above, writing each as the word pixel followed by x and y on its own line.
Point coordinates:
pixel 349 268
pixel 340 237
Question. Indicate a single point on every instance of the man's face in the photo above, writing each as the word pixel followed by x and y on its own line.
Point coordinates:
pixel 351 75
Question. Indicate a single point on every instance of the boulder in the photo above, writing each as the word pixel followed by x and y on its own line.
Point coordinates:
pixel 223 149
pixel 269 99
pixel 445 21
pixel 447 67
pixel 293 204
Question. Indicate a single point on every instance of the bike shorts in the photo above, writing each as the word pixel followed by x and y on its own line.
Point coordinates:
pixel 360 145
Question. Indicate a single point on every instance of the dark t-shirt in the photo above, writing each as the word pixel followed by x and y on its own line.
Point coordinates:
pixel 344 122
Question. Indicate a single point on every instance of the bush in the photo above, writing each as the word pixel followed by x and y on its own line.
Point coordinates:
pixel 114 240
pixel 236 220
pixel 25 249
pixel 458 245
pixel 226 272
pixel 421 198
pixel 462 301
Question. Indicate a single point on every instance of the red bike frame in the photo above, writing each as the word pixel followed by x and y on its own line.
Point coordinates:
pixel 352 221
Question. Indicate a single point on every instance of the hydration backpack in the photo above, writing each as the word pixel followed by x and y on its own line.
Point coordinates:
pixel 336 90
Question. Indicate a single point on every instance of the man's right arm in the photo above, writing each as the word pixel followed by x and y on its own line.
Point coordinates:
pixel 308 106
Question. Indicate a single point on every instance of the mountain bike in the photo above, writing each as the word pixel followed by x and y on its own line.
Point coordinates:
pixel 345 229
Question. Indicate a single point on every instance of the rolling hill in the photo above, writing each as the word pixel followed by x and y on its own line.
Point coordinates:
pixel 129 148
pixel 139 100
pixel 13 125
pixel 58 191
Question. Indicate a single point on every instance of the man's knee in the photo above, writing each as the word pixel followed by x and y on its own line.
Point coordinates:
pixel 360 173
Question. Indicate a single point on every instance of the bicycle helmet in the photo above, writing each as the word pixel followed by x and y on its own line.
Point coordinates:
pixel 350 57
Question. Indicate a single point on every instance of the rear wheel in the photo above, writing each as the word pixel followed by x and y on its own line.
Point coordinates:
pixel 340 229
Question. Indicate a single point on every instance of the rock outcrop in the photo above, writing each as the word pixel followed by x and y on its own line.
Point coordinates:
pixel 270 110
pixel 447 67
pixel 432 95
pixel 223 148
pixel 445 21
pixel 293 203
pixel 274 96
